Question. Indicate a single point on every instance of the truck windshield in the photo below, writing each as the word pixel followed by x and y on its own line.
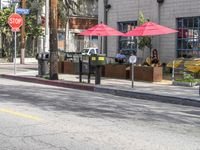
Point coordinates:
pixel 85 50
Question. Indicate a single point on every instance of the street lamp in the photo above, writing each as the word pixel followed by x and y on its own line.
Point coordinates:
pixel 106 9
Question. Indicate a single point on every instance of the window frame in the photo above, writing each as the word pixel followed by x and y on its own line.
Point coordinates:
pixel 130 43
pixel 188 37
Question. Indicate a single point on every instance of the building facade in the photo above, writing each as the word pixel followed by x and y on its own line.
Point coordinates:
pixel 182 15
pixel 81 19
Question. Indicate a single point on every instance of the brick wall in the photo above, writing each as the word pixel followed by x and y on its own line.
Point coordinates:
pixel 79 23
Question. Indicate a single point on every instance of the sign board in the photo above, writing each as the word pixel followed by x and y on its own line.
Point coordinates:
pixel 15 21
pixel 22 11
pixel 132 59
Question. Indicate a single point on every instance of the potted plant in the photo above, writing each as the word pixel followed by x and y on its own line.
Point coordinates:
pixel 187 80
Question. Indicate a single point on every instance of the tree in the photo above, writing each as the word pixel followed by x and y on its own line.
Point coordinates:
pixel 23 4
pixel 53 40
pixel 33 27
pixel 33 30
pixel 6 34
pixel 144 41
pixel 67 8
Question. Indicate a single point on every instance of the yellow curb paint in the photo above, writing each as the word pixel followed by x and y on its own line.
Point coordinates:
pixel 20 114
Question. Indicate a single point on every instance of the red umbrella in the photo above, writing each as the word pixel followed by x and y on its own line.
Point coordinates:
pixel 149 29
pixel 101 30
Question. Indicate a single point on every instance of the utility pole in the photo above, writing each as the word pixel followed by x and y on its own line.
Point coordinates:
pixel 53 41
pixel 46 40
pixel 23 35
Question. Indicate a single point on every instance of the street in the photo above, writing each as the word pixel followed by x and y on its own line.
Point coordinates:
pixel 41 117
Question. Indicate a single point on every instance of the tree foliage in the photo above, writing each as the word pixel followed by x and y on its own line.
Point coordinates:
pixel 4 27
pixel 143 41
pixel 32 28
pixel 67 8
pixel 31 24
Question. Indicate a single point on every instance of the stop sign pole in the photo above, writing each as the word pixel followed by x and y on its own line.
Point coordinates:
pixel 15 21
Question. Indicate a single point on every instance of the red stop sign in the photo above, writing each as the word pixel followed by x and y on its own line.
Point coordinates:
pixel 15 21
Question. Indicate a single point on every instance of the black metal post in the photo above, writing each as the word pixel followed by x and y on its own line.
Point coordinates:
pixel 98 75
pixel 89 69
pixel 199 89
pixel 80 70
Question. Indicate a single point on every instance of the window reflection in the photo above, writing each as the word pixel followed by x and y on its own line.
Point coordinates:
pixel 188 39
pixel 127 44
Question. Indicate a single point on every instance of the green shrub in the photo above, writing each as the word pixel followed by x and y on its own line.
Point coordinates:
pixel 188 78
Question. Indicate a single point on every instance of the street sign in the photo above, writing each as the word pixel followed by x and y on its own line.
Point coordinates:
pixel 132 59
pixel 15 21
pixel 5 3
pixel 22 11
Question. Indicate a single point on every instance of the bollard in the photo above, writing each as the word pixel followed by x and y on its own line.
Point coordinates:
pixel 89 69
pixel 80 70
pixel 98 75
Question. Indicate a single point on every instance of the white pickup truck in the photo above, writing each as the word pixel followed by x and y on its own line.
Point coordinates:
pixel 90 51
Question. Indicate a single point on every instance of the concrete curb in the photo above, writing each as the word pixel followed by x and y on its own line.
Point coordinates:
pixel 113 91
pixel 58 83
pixel 150 96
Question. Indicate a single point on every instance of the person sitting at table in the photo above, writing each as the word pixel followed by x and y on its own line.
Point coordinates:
pixel 154 57
pixel 120 57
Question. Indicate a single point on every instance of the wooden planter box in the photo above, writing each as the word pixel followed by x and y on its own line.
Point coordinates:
pixel 141 73
pixel 69 67
pixel 147 73
pixel 116 71
pixel 60 67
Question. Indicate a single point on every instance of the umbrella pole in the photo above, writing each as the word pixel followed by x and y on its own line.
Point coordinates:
pixel 101 45
pixel 150 45
pixel 173 71
pixel 150 53
pixel 89 41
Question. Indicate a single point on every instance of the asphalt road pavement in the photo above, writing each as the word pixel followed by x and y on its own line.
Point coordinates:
pixel 39 117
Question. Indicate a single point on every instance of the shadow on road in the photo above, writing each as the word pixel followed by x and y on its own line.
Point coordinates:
pixel 96 105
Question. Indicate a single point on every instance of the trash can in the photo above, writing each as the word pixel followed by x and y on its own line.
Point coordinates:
pixel 43 63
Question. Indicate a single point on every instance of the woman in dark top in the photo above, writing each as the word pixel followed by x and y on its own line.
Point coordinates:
pixel 154 58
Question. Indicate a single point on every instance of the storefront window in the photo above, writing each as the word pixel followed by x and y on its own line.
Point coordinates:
pixel 188 37
pixel 127 44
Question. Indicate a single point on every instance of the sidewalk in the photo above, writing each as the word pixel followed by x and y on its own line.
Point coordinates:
pixel 161 91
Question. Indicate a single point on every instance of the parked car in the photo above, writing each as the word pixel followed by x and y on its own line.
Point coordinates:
pixel 90 51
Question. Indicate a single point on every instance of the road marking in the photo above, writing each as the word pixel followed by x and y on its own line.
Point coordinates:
pixel 18 114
